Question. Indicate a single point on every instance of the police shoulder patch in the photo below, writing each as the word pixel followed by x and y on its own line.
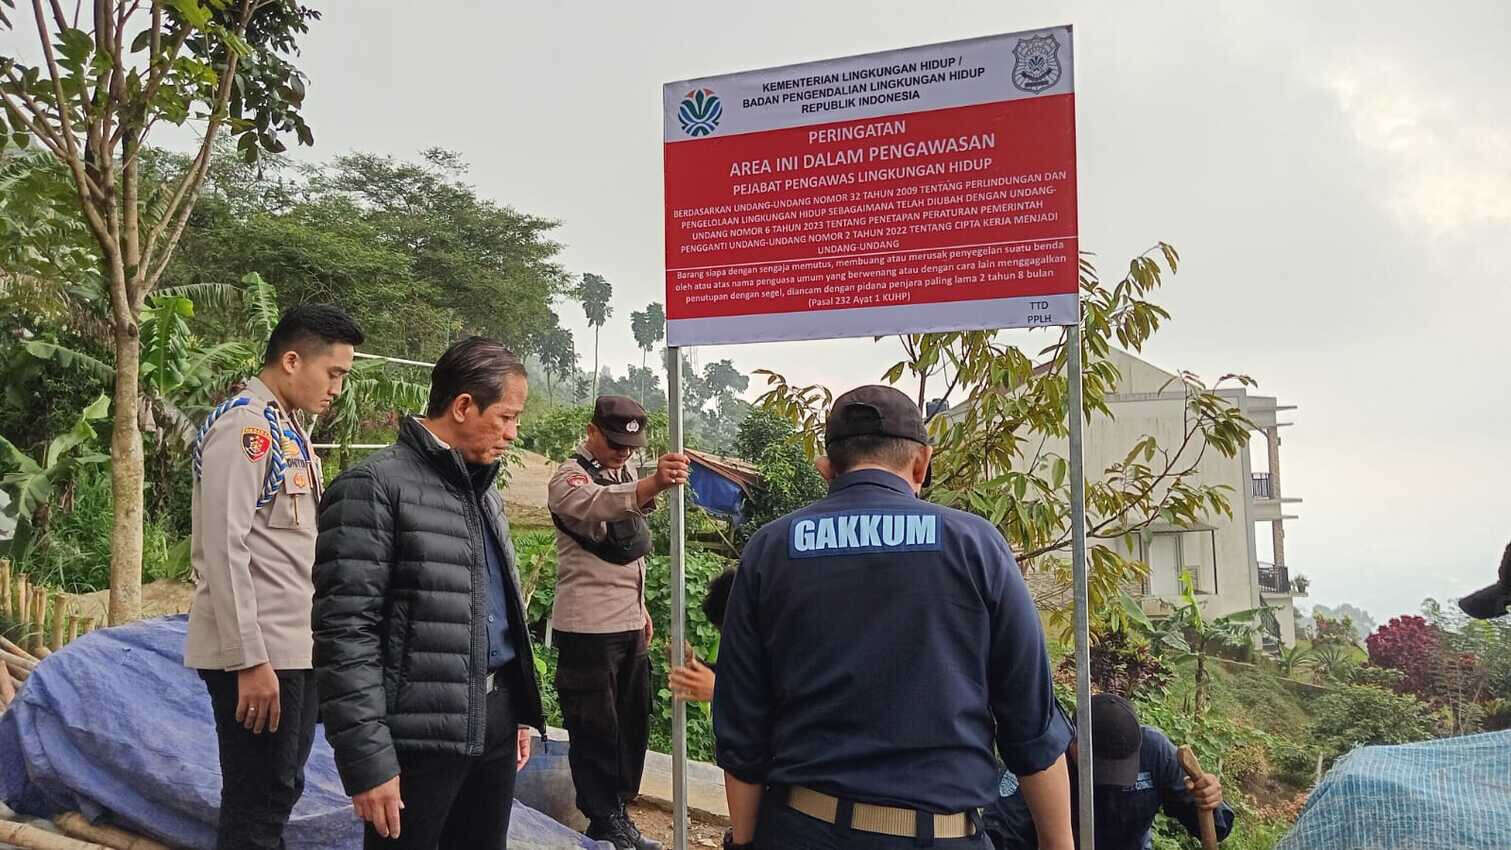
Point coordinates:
pixel 255 443
pixel 577 479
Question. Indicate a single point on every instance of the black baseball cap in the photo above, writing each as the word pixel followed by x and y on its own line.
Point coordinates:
pixel 874 410
pixel 1491 602
pixel 621 419
pixel 1116 741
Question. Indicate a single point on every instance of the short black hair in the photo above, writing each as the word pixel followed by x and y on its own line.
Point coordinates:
pixel 716 600
pixel 891 452
pixel 304 327
pixel 476 366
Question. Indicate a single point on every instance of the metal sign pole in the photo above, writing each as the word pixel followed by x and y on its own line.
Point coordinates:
pixel 1082 600
pixel 679 592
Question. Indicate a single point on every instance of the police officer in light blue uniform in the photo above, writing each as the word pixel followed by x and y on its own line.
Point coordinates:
pixel 878 653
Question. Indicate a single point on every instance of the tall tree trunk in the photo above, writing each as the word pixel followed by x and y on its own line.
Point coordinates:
pixel 643 352
pixel 550 393
pixel 923 381
pixel 595 363
pixel 126 474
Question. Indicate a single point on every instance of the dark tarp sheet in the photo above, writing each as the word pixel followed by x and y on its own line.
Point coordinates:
pixel 114 726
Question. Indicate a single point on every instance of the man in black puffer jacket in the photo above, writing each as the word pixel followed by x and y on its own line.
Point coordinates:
pixel 423 661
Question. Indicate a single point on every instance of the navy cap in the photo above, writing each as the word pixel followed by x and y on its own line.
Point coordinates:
pixel 1116 741
pixel 874 411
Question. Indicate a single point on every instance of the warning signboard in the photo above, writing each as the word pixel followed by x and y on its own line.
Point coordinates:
pixel 926 189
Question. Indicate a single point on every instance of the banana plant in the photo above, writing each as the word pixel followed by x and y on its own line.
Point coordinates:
pixel 1187 634
pixel 32 483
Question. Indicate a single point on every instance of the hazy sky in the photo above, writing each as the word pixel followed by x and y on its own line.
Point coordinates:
pixel 1335 175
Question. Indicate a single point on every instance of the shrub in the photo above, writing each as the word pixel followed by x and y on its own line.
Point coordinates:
pixel 1411 645
pixel 1358 715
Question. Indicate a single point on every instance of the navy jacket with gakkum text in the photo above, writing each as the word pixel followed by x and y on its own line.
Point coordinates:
pixel 878 648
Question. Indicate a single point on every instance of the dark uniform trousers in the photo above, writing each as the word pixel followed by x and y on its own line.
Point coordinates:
pixel 262 776
pixel 456 801
pixel 604 684
pixel 784 828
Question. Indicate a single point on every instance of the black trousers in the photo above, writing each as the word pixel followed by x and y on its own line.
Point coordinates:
pixel 262 776
pixel 604 684
pixel 783 828
pixel 453 801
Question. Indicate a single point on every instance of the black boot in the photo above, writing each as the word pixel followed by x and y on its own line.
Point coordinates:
pixel 620 831
pixel 640 841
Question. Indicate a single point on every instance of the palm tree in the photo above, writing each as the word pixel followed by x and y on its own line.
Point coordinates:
pixel 594 292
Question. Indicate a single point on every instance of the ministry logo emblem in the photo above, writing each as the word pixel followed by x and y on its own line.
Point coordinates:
pixel 1038 63
pixel 700 112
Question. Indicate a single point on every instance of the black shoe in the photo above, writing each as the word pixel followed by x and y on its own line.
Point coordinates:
pixel 617 829
pixel 641 842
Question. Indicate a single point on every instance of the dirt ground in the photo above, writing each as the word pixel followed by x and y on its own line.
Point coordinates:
pixel 657 823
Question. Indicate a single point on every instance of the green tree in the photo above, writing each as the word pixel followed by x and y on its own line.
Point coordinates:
pixel 788 478
pixel 558 357
pixel 649 327
pixel 990 451
pixel 92 105
pixel 594 292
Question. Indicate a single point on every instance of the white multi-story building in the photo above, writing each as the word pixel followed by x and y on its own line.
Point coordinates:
pixel 1222 554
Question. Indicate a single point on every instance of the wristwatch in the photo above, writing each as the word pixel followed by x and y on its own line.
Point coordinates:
pixel 729 842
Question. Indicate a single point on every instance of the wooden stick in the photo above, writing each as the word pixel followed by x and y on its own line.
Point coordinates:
pixel 7 687
pixel 1187 758
pixel 73 627
pixel 59 619
pixel 32 838
pixel 76 825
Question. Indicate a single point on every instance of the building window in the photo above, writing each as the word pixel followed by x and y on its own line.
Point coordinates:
pixel 1170 553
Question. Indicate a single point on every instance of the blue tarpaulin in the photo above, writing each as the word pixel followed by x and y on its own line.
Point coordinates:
pixel 114 726
pixel 1450 794
pixel 720 485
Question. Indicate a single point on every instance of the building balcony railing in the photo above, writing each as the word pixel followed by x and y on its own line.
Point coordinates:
pixel 1263 486
pixel 1277 579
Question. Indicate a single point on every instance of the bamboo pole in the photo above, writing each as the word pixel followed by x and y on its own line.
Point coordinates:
pixel 88 625
pixel 59 620
pixel 6 609
pixel 7 687
pixel 73 627
pixel 23 600
pixel 6 645
pixel 78 826
pixel 31 838
pixel 39 622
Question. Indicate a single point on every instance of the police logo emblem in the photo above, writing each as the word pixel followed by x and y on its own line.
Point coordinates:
pixel 301 480
pixel 255 442
pixel 1038 63
pixel 631 427
pixel 576 480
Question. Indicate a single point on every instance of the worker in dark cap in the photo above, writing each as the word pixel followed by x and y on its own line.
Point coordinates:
pixel 1491 602
pixel 878 653
pixel 602 628
pixel 1135 775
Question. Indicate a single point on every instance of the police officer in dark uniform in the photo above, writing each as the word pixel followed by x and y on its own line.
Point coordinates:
pixel 875 649
pixel 1136 776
